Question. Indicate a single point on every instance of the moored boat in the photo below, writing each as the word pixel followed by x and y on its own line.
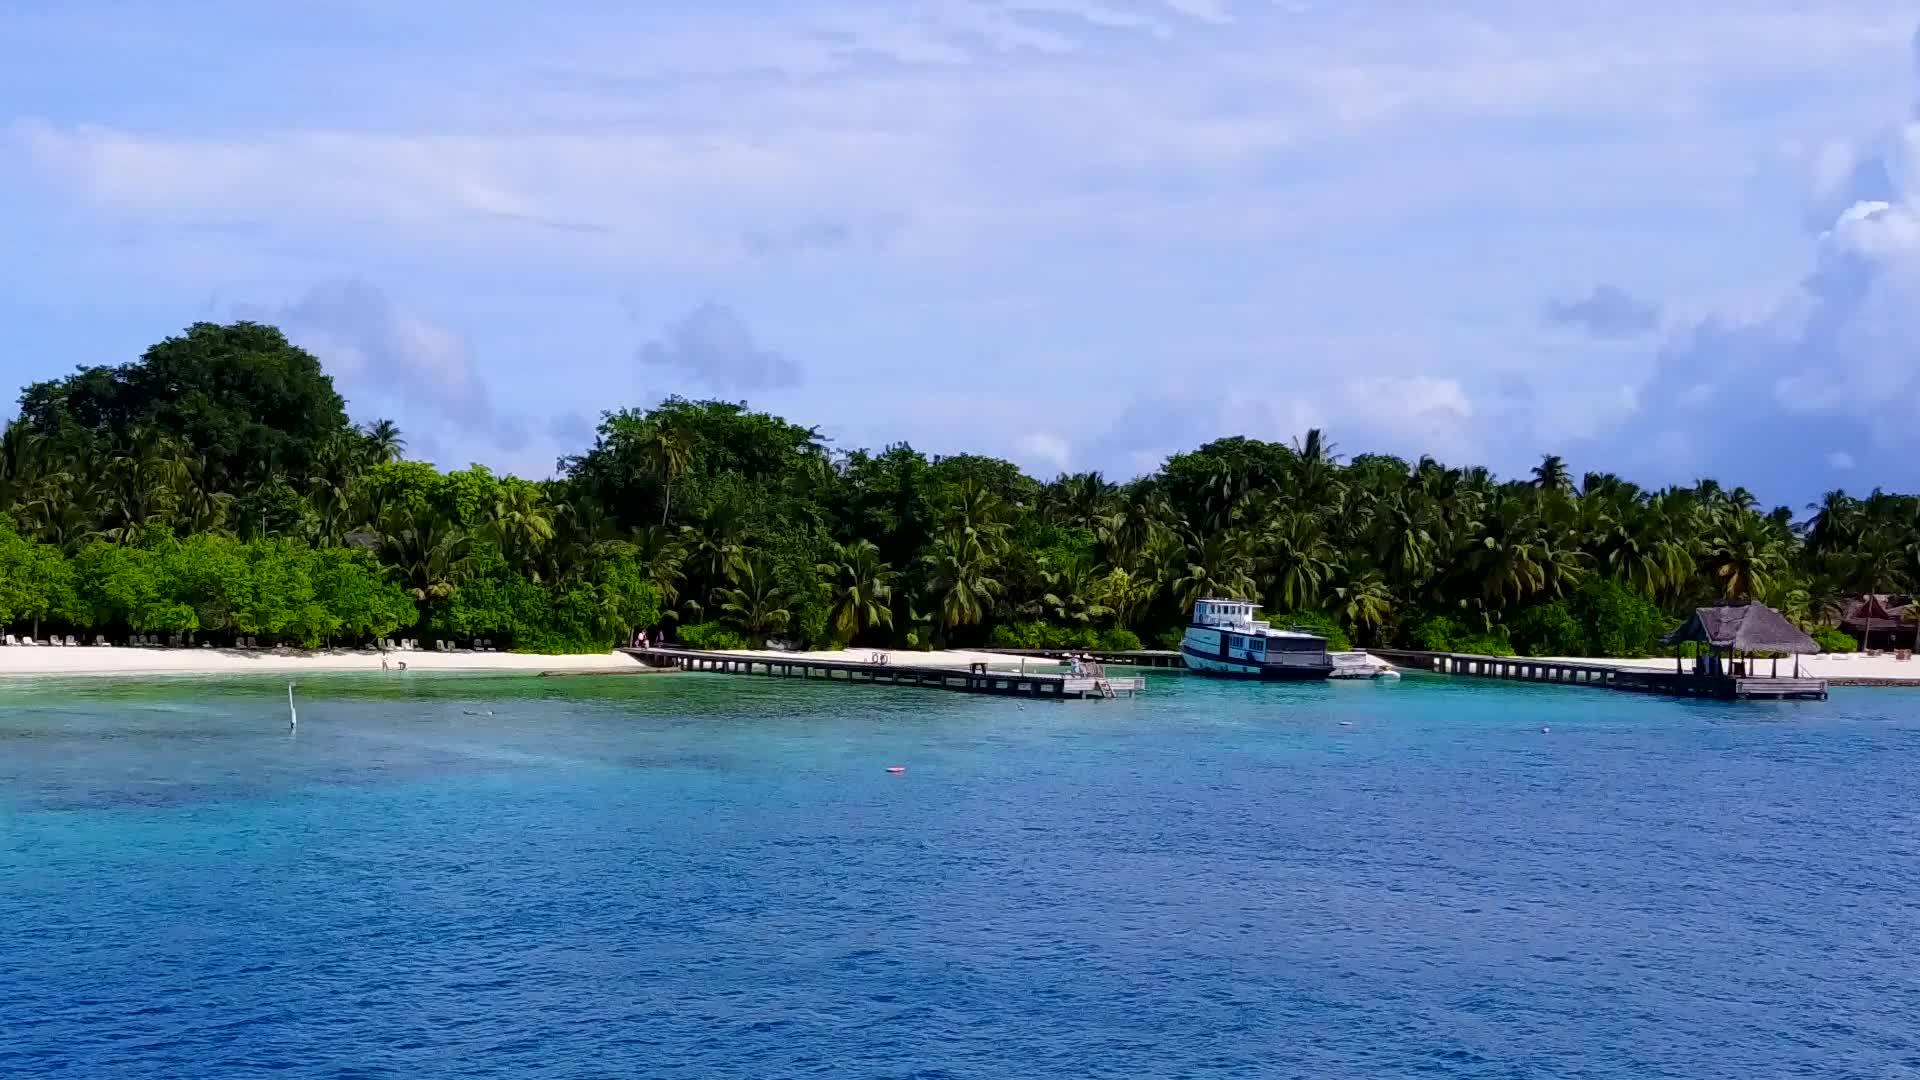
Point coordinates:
pixel 1224 639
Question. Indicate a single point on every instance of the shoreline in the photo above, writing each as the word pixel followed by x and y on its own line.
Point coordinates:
pixel 122 661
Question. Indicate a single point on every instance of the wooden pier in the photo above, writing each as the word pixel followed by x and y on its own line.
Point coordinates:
pixel 1726 687
pixel 978 679
pixel 1147 658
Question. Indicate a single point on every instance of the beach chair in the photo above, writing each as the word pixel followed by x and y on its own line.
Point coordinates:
pixel 100 642
pixel 71 643
pixel 11 640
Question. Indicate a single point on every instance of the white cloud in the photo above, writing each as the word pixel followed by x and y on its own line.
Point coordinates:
pixel 1044 449
pixel 1831 361
pixel 1213 11
pixel 1606 312
pixel 393 363
pixel 710 346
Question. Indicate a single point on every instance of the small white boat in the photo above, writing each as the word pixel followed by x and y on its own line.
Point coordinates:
pixel 1361 665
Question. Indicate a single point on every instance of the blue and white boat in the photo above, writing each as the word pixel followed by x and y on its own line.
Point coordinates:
pixel 1225 639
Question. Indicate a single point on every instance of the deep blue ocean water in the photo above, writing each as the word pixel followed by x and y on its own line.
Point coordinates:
pixel 695 876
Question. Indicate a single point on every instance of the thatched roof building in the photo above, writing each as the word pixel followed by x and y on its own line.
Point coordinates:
pixel 1880 620
pixel 1743 627
pixel 1877 610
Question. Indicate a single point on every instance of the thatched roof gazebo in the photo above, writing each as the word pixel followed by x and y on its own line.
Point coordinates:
pixel 1741 627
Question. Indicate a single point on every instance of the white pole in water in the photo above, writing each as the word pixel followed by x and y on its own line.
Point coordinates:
pixel 293 718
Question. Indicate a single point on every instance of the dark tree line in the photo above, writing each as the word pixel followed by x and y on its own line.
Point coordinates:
pixel 216 485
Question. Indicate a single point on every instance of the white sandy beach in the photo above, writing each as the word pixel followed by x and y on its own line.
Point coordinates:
pixel 93 660
pixel 22 661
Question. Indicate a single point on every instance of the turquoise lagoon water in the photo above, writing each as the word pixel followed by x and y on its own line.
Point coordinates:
pixel 695 876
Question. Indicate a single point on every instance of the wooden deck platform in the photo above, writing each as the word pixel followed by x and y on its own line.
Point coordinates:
pixel 977 680
pixel 1147 658
pixel 1608 676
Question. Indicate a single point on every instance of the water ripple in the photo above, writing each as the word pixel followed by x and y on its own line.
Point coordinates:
pixel 702 878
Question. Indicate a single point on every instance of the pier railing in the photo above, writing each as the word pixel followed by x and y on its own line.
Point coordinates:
pixel 1607 676
pixel 976 679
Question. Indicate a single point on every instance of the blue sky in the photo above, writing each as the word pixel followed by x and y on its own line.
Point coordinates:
pixel 1078 233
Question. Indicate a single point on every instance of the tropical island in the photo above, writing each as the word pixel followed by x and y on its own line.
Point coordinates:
pixel 215 491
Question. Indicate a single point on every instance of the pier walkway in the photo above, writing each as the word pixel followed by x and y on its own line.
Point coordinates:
pixel 1147 658
pixel 1609 677
pixel 978 679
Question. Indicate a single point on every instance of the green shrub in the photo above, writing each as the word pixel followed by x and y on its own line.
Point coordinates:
pixel 1619 621
pixel 1549 630
pixel 1435 633
pixel 1494 644
pixel 1834 641
pixel 1169 639
pixel 1444 633
pixel 713 637
pixel 1314 622
pixel 1007 636
pixel 1040 635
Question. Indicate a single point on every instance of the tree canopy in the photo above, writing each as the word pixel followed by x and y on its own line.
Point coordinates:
pixel 216 486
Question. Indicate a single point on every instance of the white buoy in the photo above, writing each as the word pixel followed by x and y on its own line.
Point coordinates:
pixel 293 717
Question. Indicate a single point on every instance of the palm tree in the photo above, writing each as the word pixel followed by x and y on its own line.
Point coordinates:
pixel 662 553
pixel 1406 546
pixel 383 442
pixel 1070 594
pixel 429 553
pixel 1506 557
pixel 1836 523
pixel 1315 469
pixel 959 573
pixel 1080 500
pixel 979 514
pixel 1643 549
pixel 668 450
pixel 1364 602
pixel 1742 555
pixel 1295 561
pixel 860 589
pixel 520 522
pixel 753 597
pixel 1216 565
pixel 1130 528
pixel 1552 474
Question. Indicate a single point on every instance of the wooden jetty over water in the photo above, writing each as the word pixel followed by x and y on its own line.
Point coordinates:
pixel 977 679
pixel 1730 684
pixel 1147 658
pixel 1730 636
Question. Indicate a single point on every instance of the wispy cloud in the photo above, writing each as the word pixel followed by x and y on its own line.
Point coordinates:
pixel 386 358
pixel 712 348
pixel 1606 312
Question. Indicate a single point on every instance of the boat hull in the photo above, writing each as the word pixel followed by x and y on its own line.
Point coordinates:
pixel 1216 667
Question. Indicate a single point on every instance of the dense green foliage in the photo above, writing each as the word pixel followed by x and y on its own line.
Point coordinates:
pixel 1831 640
pixel 217 486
